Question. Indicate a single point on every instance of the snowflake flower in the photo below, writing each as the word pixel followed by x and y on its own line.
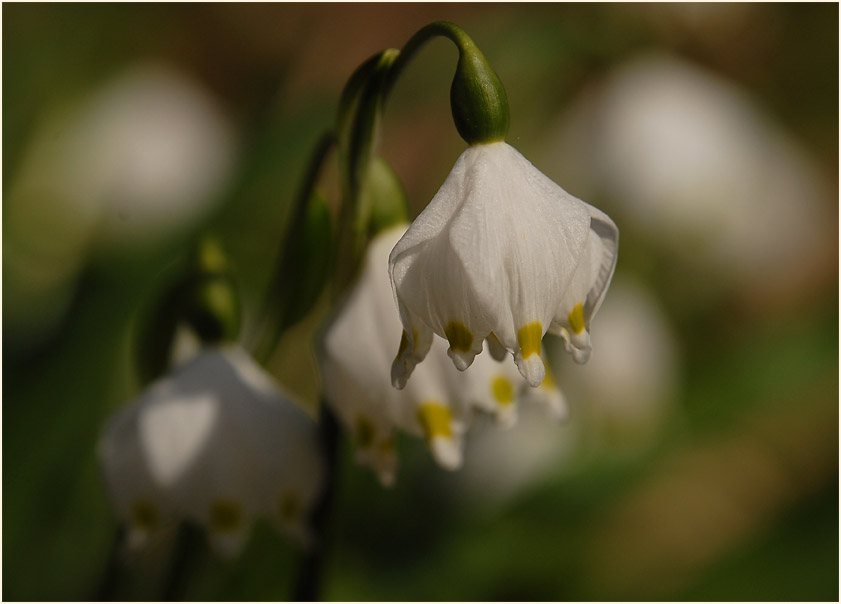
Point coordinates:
pixel 216 443
pixel 502 254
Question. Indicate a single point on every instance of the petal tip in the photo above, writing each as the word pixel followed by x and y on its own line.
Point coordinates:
pixel 447 452
pixel 462 360
pixel 532 369
pixel 400 373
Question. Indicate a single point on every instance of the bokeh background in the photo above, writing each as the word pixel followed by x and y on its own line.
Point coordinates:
pixel 701 457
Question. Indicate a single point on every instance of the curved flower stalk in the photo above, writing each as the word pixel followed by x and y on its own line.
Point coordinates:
pixel 437 405
pixel 500 253
pixel 216 443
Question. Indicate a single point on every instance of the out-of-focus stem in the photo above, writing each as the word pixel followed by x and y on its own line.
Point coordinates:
pixel 271 321
pixel 184 553
pixel 309 584
pixel 111 574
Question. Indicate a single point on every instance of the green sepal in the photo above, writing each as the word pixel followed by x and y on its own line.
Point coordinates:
pixel 199 292
pixel 213 309
pixel 384 196
pixel 211 305
pixel 478 99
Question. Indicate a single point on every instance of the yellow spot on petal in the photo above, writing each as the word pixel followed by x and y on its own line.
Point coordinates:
pixel 144 515
pixel 502 390
pixel 460 338
pixel 576 319
pixel 225 515
pixel 435 419
pixel 289 507
pixel 365 432
pixel 528 337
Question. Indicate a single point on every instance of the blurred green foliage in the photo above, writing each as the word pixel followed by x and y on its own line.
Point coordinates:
pixel 758 385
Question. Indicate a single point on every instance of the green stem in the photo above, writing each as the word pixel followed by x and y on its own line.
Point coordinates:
pixel 360 110
pixel 308 585
pixel 357 152
pixel 272 322
pixel 107 588
pixel 188 543
pixel 477 97
pixel 440 28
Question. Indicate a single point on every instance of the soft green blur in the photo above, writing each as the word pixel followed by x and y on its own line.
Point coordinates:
pixel 727 491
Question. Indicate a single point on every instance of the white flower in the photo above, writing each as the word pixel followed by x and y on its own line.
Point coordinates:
pixel 136 163
pixel 501 252
pixel 437 405
pixel 705 175
pixel 215 443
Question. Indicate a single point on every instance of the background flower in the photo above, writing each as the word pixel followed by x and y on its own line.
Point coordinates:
pixel 132 163
pixel 214 443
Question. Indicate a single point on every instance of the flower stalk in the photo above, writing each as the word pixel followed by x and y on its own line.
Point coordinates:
pixel 304 258
pixel 477 97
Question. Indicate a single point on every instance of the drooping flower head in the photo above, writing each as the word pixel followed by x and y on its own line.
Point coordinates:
pixel 437 404
pixel 216 443
pixel 502 254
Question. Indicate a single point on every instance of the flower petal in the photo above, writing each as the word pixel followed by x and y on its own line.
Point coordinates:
pixel 588 287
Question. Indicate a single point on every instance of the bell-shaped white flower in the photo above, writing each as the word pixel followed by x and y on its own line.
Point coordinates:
pixel 356 358
pixel 501 252
pixel 217 443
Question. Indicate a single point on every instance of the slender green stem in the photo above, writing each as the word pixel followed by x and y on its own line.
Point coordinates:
pixel 440 28
pixel 477 97
pixel 358 114
pixel 188 543
pixel 360 110
pixel 357 150
pixel 272 322
pixel 351 91
pixel 311 570
pixel 110 577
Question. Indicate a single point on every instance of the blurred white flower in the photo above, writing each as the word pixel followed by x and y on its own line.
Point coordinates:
pixel 699 169
pixel 216 443
pixel 438 401
pixel 630 387
pixel 138 160
pixel 501 252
